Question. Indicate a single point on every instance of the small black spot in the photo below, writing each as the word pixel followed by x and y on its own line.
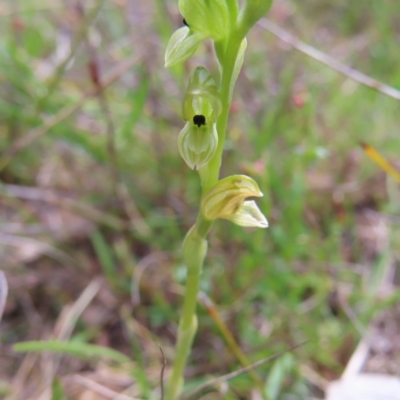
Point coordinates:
pixel 185 23
pixel 199 120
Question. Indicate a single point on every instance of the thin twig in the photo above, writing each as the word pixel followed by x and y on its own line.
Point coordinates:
pixel 234 374
pixel 164 363
pixel 329 61
pixel 34 134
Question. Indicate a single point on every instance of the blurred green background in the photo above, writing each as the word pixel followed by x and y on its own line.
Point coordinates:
pixel 95 200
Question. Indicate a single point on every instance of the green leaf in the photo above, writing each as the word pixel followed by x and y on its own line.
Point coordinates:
pixel 105 256
pixel 57 390
pixel 278 373
pixel 77 349
pixel 33 41
pixel 238 66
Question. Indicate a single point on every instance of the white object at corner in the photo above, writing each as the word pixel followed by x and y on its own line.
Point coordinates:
pixel 365 387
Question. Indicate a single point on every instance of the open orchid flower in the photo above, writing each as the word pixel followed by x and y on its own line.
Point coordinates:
pixel 226 199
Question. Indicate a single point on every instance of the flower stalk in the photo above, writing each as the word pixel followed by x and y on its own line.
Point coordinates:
pixel 204 104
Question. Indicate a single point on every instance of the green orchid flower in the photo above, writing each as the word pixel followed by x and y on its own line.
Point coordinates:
pixel 226 199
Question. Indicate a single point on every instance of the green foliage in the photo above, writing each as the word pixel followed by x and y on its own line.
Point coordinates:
pixel 74 348
pixel 58 391
pixel 279 371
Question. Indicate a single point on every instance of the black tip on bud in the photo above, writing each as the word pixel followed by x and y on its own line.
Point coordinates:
pixel 199 120
pixel 185 23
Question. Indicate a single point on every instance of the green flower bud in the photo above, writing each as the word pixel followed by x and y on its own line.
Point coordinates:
pixel 202 96
pixel 182 45
pixel 252 11
pixel 210 17
pixel 226 199
pixel 198 141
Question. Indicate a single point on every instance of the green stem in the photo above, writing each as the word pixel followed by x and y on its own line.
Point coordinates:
pixel 195 244
pixel 194 250
pixel 210 175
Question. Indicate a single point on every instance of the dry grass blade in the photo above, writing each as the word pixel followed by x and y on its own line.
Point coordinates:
pixel 18 382
pixel 230 340
pixel 31 248
pixel 71 316
pixel 68 320
pixel 329 61
pixel 65 112
pixel 241 371
pixel 381 161
pixel 64 328
pixel 100 389
pixel 49 196
pixel 3 292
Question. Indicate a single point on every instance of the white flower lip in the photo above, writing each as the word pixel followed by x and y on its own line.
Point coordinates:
pixel 249 215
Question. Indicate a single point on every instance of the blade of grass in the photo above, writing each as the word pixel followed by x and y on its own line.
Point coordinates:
pixel 139 340
pixel 230 340
pixel 100 389
pixel 71 317
pixel 57 390
pixel 67 321
pixel 105 255
pixel 234 374
pixel 378 159
pixel 277 375
pixel 78 349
